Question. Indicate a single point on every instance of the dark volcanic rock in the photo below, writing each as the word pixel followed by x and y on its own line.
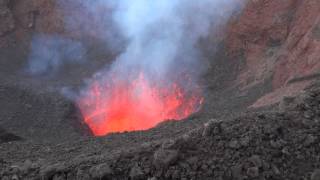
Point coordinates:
pixel 164 157
pixel 263 145
pixel 44 116
pixel 136 173
pixel 212 127
pixel 8 137
pixel 101 171
pixel 253 172
pixel 6 18
pixel 316 175
pixel 48 172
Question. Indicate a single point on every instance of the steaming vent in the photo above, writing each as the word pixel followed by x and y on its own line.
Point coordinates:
pixel 156 75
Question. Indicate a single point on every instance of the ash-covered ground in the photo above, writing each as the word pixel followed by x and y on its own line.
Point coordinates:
pixel 43 131
pixel 279 143
pixel 43 137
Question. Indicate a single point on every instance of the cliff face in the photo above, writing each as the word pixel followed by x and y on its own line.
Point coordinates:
pixel 277 41
pixel 19 19
pixel 271 40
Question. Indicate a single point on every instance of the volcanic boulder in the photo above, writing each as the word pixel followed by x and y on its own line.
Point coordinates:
pixel 7 137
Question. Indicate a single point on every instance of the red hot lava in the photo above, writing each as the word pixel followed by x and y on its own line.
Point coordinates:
pixel 119 106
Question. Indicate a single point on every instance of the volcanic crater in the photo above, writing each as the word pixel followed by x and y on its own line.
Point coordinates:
pixel 237 96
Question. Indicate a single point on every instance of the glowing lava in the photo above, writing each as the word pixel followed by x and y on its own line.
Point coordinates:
pixel 120 105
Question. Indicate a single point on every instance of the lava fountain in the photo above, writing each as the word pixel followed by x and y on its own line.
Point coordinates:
pixel 154 77
pixel 121 105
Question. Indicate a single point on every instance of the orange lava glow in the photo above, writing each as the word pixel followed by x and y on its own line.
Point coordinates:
pixel 119 106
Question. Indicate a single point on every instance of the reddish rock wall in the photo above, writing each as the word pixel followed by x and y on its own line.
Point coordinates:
pixel 22 18
pixel 279 40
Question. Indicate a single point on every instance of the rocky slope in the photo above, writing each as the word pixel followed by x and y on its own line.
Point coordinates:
pixel 46 117
pixel 265 145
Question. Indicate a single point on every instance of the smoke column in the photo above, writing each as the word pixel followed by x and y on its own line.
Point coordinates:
pixel 162 35
pixel 155 77
pixel 50 52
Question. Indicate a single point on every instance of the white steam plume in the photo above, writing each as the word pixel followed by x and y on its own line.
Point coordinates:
pixel 160 51
pixel 50 52
pixel 161 34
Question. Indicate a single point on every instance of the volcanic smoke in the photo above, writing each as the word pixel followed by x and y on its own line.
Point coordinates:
pixel 155 78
